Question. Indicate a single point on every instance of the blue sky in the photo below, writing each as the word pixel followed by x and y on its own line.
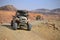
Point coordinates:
pixel 32 4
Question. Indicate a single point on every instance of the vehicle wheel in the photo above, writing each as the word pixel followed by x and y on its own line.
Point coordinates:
pixel 14 26
pixel 12 23
pixel 29 26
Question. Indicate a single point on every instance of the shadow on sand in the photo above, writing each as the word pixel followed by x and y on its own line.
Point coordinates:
pixel 10 27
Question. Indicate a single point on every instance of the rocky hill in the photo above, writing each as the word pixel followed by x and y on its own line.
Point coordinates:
pixel 47 11
pixel 56 10
pixel 42 10
pixel 8 8
pixel 6 16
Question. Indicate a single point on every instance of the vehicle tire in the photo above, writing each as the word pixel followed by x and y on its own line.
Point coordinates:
pixel 12 23
pixel 29 26
pixel 14 26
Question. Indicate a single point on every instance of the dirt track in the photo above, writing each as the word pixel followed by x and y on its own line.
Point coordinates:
pixel 9 34
pixel 40 31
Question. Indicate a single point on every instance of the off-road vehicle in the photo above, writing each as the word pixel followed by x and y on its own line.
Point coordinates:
pixel 21 19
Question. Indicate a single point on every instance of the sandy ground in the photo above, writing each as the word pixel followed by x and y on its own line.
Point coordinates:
pixel 9 34
pixel 39 32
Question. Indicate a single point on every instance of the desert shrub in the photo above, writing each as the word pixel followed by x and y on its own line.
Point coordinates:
pixel 38 17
